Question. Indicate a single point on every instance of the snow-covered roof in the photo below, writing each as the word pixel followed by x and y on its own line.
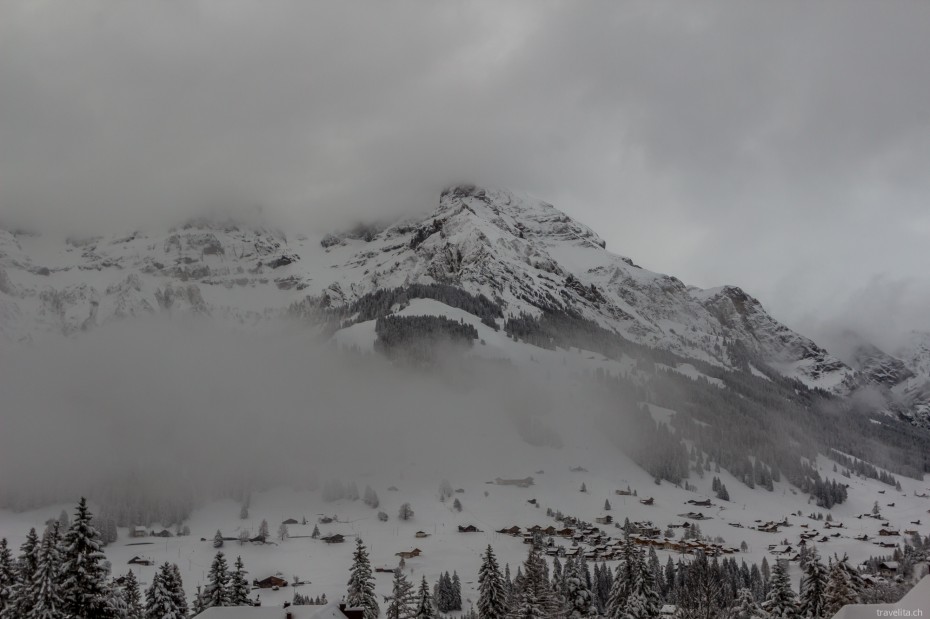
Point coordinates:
pixel 329 611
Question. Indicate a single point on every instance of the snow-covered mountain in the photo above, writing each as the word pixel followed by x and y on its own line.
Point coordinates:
pixel 523 253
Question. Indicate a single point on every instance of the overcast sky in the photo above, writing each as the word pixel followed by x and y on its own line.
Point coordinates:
pixel 783 147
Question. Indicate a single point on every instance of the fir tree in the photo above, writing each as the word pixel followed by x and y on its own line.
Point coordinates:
pixel 456 591
pixel 813 585
pixel 839 590
pixel 402 604
pixel 217 590
pixel 263 532
pixel 425 603
pixel 44 593
pixel 746 606
pixel 132 596
pixel 316 532
pixel 160 601
pixel 492 596
pixel 781 600
pixel 84 588
pixel 239 586
pixel 7 576
pixel 199 604
pixel 579 599
pixel 175 588
pixel 218 539
pixel 361 583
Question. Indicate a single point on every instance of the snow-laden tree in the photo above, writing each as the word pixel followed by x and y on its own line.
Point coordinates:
pixel 839 590
pixel 160 601
pixel 371 498
pixel 456 591
pixel 534 598
pixel 624 579
pixel 83 570
pixel 813 586
pixel 44 595
pixel 361 593
pixel 316 532
pixel 217 590
pixel 7 575
pixel 218 539
pixel 492 595
pixel 132 597
pixel 283 533
pixel 263 530
pixel 239 586
pixel 579 599
pixel 176 588
pixel 403 599
pixel 781 600
pixel 746 606
pixel 425 608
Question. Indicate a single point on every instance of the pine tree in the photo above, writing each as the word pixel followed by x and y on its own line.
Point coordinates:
pixel 492 596
pixel 839 590
pixel 624 579
pixel 456 591
pixel 746 606
pixel 218 539
pixel 84 589
pixel 244 512
pixel 813 585
pixel 239 586
pixel 402 604
pixel 606 505
pixel 44 592
pixel 160 601
pixel 132 596
pixel 316 532
pixel 425 603
pixel 217 591
pixel 7 576
pixel 263 532
pixel 361 583
pixel 199 604
pixel 534 596
pixel 579 599
pixel 26 566
pixel 781 600
pixel 175 588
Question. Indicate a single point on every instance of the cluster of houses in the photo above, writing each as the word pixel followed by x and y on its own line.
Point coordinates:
pixel 602 547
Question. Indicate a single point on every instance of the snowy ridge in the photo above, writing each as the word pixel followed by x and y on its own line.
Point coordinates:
pixel 521 252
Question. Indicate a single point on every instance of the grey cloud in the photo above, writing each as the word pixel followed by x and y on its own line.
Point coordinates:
pixel 781 147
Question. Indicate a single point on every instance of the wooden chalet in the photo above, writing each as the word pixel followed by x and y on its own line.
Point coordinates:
pixel 469 528
pixel 271 582
pixel 696 503
pixel 409 554
pixel 565 532
pixel 888 568
pixel 514 531
pixel 163 533
pixel 138 532
pixel 421 534
pixel 649 501
pixel 290 521
pixel 141 561
pixel 624 492
pixel 607 519
pixel 336 538
pixel 888 532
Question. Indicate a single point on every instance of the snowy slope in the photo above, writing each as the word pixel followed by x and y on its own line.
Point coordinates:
pixel 521 252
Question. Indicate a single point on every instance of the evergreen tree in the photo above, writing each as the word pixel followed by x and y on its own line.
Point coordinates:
pixel 175 588
pixel 316 532
pixel 132 596
pixel 534 599
pixel 746 606
pixel 624 579
pixel 781 599
pixel 456 591
pixel 643 602
pixel 402 604
pixel 7 576
pixel 239 586
pixel 26 567
pixel 425 604
pixel 578 597
pixel 813 586
pixel 283 533
pixel 217 590
pixel 839 590
pixel 218 539
pixel 263 532
pixel 361 583
pixel 44 594
pixel 492 595
pixel 160 601
pixel 606 505
pixel 199 604
pixel 84 589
